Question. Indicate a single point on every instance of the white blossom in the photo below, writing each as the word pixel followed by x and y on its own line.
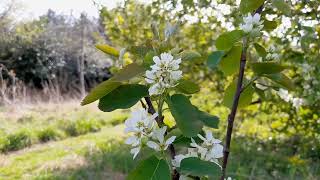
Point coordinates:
pixel 297 102
pixel 140 125
pixel 272 54
pixel 252 24
pixel 286 96
pixel 135 151
pixel 164 73
pixel 178 158
pixel 209 150
pixel 160 144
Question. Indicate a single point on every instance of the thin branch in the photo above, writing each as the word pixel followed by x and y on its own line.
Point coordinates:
pixel 235 103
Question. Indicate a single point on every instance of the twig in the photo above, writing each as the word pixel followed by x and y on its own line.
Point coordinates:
pixel 235 103
pixel 151 110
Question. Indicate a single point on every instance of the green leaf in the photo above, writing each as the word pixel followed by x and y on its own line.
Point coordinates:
pixel 196 167
pixel 148 59
pixel 99 91
pixel 282 80
pixel 189 55
pixel 260 49
pixel 247 6
pixel 214 59
pixel 185 115
pixel 125 96
pixel 269 25
pixel 128 72
pixel 245 97
pixel 139 51
pixel 228 39
pixel 208 119
pixel 282 6
pixel 230 63
pixel 261 93
pixel 151 169
pixel 267 67
pixel 108 49
pixel 187 87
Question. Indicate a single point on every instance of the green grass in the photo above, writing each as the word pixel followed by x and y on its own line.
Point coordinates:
pixel 68 158
pixel 52 123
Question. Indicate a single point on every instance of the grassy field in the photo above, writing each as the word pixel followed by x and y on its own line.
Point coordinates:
pixel 92 147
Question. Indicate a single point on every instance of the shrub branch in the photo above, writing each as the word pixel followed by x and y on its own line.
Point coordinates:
pixel 232 115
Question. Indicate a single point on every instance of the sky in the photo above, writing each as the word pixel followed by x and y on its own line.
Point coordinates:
pixel 35 8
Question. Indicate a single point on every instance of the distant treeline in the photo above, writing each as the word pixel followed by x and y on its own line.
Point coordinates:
pixel 54 51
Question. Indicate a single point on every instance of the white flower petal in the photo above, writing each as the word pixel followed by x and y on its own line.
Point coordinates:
pixel 170 140
pixel 135 151
pixel 132 140
pixel 177 160
pixel 153 145
pixel 217 151
pixel 156 60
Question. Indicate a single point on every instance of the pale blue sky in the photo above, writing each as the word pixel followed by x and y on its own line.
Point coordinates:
pixel 34 8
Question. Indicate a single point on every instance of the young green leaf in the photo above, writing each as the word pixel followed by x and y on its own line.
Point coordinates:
pixel 189 55
pixel 245 97
pixel 187 87
pixel 267 67
pixel 247 6
pixel 208 119
pixel 230 63
pixel 108 49
pixel 228 39
pixel 282 80
pixel 282 6
pixel 151 169
pixel 214 59
pixel 128 72
pixel 196 167
pixel 123 97
pixel 260 49
pixel 185 115
pixel 269 25
pixel 99 91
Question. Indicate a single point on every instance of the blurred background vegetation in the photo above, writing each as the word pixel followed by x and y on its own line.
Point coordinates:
pixel 47 65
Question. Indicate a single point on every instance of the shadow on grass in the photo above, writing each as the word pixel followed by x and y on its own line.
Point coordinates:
pixel 109 160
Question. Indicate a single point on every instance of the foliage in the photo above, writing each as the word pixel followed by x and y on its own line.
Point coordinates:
pixel 48 134
pixel 16 141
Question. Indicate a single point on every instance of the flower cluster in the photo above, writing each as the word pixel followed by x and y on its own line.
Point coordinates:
pixel 158 143
pixel 272 54
pixel 164 73
pixel 286 96
pixel 310 82
pixel 143 128
pixel 209 150
pixel 252 25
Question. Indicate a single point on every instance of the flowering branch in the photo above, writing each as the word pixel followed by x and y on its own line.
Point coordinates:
pixel 232 115
pixel 151 110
